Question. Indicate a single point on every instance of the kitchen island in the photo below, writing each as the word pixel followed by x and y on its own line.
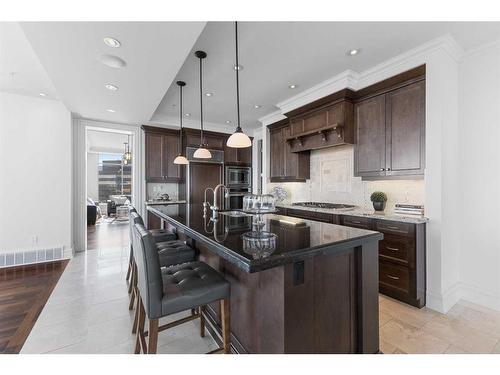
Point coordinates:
pixel 316 291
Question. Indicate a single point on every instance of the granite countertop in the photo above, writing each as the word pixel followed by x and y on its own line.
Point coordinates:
pixel 296 239
pixel 157 202
pixel 360 213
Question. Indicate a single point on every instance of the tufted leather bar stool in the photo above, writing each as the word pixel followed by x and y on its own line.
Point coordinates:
pixel 160 235
pixel 166 291
pixel 170 253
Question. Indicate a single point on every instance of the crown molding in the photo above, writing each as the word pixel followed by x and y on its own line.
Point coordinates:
pixel 355 81
pixel 272 118
pixel 346 79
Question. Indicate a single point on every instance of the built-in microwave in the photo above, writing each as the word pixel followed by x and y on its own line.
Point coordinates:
pixel 238 177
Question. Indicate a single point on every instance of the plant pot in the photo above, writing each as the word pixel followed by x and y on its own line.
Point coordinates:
pixel 379 206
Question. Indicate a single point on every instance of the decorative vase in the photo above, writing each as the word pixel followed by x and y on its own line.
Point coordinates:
pixel 379 206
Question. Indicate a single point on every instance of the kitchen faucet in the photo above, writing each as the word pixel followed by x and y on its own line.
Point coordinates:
pixel 216 206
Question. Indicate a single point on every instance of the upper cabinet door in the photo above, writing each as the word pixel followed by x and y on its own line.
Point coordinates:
pixel 369 119
pixel 405 113
pixel 154 157
pixel 171 171
pixel 276 153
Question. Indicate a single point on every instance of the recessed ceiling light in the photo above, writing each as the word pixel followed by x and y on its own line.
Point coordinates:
pixel 111 87
pixel 228 121
pixel 187 114
pixel 111 110
pixel 256 106
pixel 111 42
pixel 353 52
pixel 209 94
pixel 113 61
pixel 238 67
pixel 293 86
pixel 42 94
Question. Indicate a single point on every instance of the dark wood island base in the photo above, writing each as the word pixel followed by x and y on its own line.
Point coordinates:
pixel 325 304
pixel 321 299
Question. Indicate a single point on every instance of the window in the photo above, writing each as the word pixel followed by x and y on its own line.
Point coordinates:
pixel 115 178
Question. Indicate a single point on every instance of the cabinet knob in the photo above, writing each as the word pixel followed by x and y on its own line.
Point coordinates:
pixel 382 169
pixel 388 169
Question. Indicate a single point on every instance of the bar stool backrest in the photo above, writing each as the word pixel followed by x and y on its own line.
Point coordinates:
pixel 149 278
pixel 134 218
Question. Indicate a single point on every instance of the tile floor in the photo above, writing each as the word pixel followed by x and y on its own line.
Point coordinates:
pixel 88 313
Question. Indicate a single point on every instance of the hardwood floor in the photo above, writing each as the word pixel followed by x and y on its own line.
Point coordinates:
pixel 24 290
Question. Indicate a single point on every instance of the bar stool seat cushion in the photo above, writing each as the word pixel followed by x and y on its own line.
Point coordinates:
pixel 162 235
pixel 189 285
pixel 174 252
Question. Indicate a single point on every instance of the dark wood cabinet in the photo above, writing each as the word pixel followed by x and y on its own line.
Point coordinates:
pixel 369 157
pixel 162 146
pixel 390 139
pixel 285 164
pixel 237 156
pixel 154 222
pixel 212 140
pixel 401 252
pixel 405 127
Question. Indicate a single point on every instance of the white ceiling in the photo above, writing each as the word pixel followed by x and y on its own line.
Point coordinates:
pixel 62 59
pixel 70 53
pixel 276 54
pixel 20 68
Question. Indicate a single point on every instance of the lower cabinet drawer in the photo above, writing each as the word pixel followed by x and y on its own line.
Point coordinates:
pixel 394 276
pixel 396 248
pixel 310 215
pixel 356 222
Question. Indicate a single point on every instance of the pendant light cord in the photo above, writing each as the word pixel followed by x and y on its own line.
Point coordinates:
pixel 201 103
pixel 180 116
pixel 237 76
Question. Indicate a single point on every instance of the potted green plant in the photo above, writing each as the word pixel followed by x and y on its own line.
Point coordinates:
pixel 378 199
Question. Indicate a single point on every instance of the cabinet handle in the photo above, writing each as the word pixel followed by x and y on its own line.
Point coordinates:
pixel 394 228
pixel 391 248
pixel 355 222
pixel 392 277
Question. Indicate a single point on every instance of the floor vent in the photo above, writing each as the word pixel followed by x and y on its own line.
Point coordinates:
pixel 16 258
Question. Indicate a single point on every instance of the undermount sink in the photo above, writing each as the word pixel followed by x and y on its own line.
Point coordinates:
pixel 234 213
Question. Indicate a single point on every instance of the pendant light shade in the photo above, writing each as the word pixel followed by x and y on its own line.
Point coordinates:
pixel 238 139
pixel 180 159
pixel 201 152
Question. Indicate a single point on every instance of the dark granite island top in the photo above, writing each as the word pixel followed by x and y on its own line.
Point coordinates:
pixel 317 292
pixel 297 239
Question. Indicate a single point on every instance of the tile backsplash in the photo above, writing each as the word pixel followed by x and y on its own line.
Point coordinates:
pixel 154 190
pixel 332 171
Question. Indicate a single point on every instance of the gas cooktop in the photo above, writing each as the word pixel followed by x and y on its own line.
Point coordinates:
pixel 324 205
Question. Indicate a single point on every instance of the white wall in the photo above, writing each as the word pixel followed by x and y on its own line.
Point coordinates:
pixel 479 160
pixel 93 175
pixel 35 173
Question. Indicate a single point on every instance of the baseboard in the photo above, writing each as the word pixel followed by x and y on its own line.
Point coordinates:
pixel 471 293
pixel 443 302
pixel 33 256
pixel 462 291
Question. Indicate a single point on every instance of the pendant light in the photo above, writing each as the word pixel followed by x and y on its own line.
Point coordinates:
pixel 238 139
pixel 127 155
pixel 180 159
pixel 201 152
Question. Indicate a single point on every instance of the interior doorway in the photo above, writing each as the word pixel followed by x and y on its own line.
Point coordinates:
pixel 109 187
